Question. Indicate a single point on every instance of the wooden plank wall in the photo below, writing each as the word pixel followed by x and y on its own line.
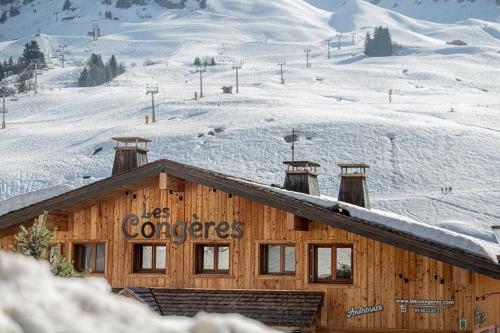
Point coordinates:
pixel 382 273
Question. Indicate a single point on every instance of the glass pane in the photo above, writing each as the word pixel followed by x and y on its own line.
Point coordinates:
pixel 86 257
pixel 147 257
pixel 99 258
pixel 161 257
pixel 273 259
pixel 344 263
pixel 223 257
pixel 208 257
pixel 324 263
pixel 290 259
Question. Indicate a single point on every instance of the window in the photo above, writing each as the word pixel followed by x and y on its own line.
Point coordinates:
pixel 331 263
pixel 212 259
pixel 150 258
pixel 89 257
pixel 277 259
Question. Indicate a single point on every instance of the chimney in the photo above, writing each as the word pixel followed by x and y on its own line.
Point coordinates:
pixel 130 153
pixel 301 176
pixel 353 188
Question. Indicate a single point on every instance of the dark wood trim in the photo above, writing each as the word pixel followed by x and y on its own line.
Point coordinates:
pixel 199 259
pixel 264 259
pixel 77 251
pixel 137 249
pixel 313 260
pixel 448 254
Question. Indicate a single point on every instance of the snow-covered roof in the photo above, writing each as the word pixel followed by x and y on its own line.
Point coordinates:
pixel 439 243
pixel 405 224
pixel 27 199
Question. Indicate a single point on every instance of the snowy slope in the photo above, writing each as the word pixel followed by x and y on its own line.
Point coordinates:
pixel 34 301
pixel 414 145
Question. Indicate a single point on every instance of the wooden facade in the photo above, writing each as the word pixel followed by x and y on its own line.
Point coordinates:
pixel 382 273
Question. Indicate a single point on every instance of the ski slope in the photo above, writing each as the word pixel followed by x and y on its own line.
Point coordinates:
pixel 415 145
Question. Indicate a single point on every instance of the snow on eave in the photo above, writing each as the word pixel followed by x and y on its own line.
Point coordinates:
pixel 30 198
pixel 472 245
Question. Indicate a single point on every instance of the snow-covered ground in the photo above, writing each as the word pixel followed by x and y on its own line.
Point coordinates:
pixel 415 145
pixel 34 301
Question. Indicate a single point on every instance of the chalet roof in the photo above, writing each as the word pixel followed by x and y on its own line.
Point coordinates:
pixel 381 226
pixel 273 308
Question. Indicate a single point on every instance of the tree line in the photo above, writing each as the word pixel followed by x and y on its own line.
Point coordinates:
pixel 23 67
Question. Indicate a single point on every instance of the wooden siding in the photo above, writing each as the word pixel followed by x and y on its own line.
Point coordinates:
pixel 382 273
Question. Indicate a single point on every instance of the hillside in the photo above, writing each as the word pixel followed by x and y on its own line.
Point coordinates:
pixel 416 147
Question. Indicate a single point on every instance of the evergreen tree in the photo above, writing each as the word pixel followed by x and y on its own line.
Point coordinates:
pixel 124 4
pixel 106 2
pixel 113 66
pixel 67 5
pixel 381 43
pixel 3 18
pixel 108 15
pixel 1 73
pixel 32 52
pixel 35 241
pixel 212 62
pixel 83 80
pixel 14 11
pixel 197 61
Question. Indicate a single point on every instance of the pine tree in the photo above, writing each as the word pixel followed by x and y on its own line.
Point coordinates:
pixel 124 4
pixel 108 15
pixel 381 43
pixel 197 61
pixel 1 73
pixel 32 52
pixel 113 66
pixel 84 78
pixel 67 5
pixel 106 2
pixel 3 18
pixel 35 241
pixel 14 11
pixel 212 62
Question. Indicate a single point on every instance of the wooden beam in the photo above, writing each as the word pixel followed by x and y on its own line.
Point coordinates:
pixel 169 182
pixel 296 223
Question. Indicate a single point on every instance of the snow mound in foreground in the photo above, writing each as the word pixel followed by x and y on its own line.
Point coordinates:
pixel 34 301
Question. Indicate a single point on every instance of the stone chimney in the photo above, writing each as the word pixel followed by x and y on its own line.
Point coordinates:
pixel 130 153
pixel 302 176
pixel 353 188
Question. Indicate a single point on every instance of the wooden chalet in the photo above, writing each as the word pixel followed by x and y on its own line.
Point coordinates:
pixel 183 239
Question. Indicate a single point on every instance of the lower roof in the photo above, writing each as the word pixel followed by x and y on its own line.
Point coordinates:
pixel 273 308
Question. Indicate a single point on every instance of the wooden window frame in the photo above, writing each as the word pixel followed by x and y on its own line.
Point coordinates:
pixel 313 260
pixel 137 258
pixel 264 259
pixel 199 256
pixel 76 256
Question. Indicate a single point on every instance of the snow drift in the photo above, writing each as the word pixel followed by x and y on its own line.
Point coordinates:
pixel 34 301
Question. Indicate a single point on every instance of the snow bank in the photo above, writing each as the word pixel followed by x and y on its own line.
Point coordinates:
pixel 30 198
pixel 34 301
